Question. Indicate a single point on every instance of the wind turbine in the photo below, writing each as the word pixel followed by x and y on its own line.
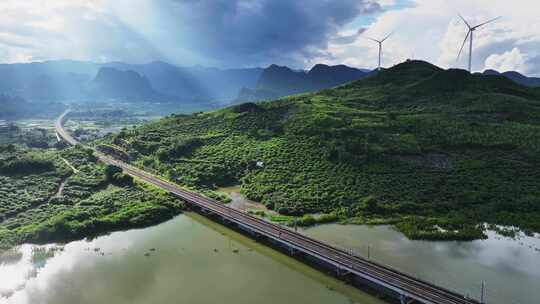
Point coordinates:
pixel 380 42
pixel 469 35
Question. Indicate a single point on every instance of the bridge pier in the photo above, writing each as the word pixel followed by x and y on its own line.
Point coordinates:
pixel 225 221
pixel 405 300
pixel 342 272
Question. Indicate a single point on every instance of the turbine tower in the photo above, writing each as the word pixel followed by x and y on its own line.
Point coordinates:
pixel 380 42
pixel 469 35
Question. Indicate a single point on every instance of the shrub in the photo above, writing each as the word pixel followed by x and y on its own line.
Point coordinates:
pixel 26 165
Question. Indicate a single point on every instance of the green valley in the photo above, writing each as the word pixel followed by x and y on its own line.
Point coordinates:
pixel 440 154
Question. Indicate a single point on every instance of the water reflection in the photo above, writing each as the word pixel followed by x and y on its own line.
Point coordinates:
pixel 186 260
pixel 21 264
pixel 510 267
pixel 10 257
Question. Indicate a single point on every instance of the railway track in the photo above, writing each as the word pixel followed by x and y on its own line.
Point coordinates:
pixel 409 288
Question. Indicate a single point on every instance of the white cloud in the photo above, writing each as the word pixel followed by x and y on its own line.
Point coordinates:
pixel 143 30
pixel 224 33
pixel 431 30
pixel 387 2
pixel 33 29
pixel 513 60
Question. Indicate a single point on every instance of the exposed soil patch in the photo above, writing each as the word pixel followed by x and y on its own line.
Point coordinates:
pixel 239 202
pixel 60 192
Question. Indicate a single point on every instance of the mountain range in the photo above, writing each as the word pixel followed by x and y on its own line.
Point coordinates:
pixel 516 77
pixel 201 87
pixel 159 81
pixel 125 85
pixel 278 81
pixel 14 107
pixel 193 83
pixel 79 80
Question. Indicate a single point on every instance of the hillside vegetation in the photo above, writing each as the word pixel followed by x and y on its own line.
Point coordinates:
pixel 48 195
pixel 438 153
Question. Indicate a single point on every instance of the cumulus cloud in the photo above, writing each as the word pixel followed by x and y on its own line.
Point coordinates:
pixel 513 60
pixel 221 32
pixel 432 31
pixel 259 32
pixel 66 29
pixel 347 37
pixel 533 65
pixel 265 31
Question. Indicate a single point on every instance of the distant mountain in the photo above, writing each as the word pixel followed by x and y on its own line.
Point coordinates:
pixel 10 106
pixel 277 81
pixel 329 76
pixel 46 81
pixel 252 95
pixel 516 77
pixel 167 79
pixel 160 81
pixel 15 107
pixel 123 85
pixel 283 81
pixel 77 80
pixel 194 83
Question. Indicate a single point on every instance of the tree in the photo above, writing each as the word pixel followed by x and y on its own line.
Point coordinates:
pixel 111 170
pixel 116 177
pixel 369 204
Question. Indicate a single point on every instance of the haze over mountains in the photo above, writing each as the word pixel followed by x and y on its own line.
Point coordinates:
pixel 278 81
pixel 14 107
pixel 160 81
pixel 199 88
pixel 76 80
pixel 197 83
pixel 125 85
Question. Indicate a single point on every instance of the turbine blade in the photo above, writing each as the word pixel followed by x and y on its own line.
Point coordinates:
pixel 489 21
pixel 372 39
pixel 467 23
pixel 387 36
pixel 464 41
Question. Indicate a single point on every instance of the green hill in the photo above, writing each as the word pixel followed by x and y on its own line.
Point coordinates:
pixel 49 195
pixel 435 152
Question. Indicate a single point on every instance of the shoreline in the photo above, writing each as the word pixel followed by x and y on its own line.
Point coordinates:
pixel 241 203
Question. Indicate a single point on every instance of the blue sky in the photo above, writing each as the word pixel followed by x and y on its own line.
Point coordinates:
pixel 365 21
pixel 245 33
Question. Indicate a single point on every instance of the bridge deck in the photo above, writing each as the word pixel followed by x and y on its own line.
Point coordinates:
pixel 380 275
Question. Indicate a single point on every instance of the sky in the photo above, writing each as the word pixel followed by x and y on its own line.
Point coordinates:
pixel 247 33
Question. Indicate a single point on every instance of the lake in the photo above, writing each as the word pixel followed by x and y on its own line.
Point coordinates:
pixel 510 268
pixel 191 259
pixel 186 260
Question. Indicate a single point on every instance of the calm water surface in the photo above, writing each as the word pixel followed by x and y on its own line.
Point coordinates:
pixel 186 260
pixel 193 260
pixel 511 268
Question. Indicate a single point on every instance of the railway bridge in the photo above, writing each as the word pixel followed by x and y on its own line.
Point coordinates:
pixel 399 286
